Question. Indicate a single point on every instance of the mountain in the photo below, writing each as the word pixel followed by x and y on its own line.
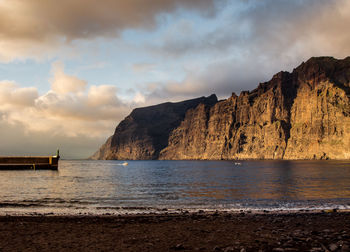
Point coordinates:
pixel 304 114
pixel 145 132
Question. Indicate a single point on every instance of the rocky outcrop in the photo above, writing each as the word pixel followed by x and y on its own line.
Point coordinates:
pixel 300 115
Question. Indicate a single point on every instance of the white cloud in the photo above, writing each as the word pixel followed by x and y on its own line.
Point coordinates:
pixel 12 95
pixel 103 95
pixel 62 83
pixel 139 98
pixel 71 111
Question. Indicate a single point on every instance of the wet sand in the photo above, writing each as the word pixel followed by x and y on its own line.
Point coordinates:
pixel 302 231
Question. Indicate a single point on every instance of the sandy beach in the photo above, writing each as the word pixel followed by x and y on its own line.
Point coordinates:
pixel 201 231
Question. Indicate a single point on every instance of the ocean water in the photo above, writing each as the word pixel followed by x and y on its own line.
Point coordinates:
pixel 109 187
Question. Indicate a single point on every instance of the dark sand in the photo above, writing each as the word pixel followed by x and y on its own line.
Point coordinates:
pixel 178 232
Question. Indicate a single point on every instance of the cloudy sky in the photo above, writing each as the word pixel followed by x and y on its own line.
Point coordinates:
pixel 70 70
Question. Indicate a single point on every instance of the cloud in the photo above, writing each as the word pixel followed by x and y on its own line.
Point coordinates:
pixel 63 83
pixel 139 98
pixel 252 44
pixel 143 67
pixel 69 112
pixel 281 27
pixel 12 95
pixel 29 28
pixel 18 141
pixel 296 28
pixel 219 77
pixel 103 95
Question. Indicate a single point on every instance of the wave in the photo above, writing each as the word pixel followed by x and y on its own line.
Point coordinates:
pixel 58 206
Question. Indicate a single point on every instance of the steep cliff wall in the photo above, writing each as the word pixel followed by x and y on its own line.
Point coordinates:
pixel 253 125
pixel 145 132
pixel 300 115
pixel 320 116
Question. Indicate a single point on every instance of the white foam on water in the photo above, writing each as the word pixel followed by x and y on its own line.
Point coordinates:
pixel 95 210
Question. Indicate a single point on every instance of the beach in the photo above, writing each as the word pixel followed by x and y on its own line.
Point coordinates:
pixel 199 231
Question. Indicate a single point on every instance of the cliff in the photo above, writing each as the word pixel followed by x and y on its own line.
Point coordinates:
pixel 145 132
pixel 300 115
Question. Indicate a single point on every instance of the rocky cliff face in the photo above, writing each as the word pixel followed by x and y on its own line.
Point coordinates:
pixel 145 132
pixel 300 115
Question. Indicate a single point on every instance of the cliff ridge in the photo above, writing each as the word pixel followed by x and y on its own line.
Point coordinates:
pixel 304 114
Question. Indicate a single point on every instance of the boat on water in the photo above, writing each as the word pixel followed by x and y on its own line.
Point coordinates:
pixel 29 162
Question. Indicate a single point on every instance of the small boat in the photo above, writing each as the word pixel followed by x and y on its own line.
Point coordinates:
pixel 29 162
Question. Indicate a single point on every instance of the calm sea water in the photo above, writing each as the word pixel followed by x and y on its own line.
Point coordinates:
pixel 98 187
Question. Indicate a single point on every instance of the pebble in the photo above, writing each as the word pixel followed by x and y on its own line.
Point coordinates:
pixel 216 213
pixel 217 248
pixel 229 249
pixel 179 247
pixel 288 244
pixel 278 250
pixel 333 247
pixel 345 248
pixel 316 249
pixel 291 249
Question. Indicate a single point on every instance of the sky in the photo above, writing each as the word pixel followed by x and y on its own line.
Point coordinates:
pixel 71 70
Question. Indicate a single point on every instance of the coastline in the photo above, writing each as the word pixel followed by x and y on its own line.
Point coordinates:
pixel 327 230
pixel 228 159
pixel 20 211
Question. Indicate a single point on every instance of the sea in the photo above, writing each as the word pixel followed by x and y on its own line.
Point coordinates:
pixel 87 187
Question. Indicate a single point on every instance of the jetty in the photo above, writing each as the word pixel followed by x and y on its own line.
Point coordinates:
pixel 29 162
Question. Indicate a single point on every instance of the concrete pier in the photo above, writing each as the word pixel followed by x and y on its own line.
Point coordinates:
pixel 27 163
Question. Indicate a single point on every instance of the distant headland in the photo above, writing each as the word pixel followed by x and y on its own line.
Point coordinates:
pixel 304 114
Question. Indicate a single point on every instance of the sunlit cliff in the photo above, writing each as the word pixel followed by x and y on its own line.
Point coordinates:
pixel 304 114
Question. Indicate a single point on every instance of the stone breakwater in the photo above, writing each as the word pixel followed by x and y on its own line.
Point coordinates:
pixel 304 114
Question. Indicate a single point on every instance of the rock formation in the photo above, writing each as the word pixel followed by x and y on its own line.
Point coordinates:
pixel 145 132
pixel 300 115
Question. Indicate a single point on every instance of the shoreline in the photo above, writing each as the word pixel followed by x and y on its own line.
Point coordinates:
pixel 148 211
pixel 200 231
pixel 242 159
